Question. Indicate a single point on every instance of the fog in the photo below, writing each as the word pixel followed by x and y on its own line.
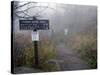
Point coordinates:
pixel 71 37
pixel 74 18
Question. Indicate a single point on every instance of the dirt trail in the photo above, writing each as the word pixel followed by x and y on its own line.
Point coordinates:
pixel 66 60
pixel 70 59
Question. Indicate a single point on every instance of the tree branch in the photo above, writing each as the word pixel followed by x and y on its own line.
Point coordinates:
pixel 24 11
pixel 23 5
pixel 35 7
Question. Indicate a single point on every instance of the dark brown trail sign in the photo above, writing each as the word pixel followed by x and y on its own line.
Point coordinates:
pixel 34 25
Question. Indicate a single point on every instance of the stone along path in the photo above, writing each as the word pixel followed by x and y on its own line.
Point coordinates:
pixel 70 59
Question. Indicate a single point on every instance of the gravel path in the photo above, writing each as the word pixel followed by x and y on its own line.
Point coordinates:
pixel 70 59
pixel 66 60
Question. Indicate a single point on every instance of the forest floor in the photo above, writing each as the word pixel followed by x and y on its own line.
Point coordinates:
pixel 69 59
pixel 66 59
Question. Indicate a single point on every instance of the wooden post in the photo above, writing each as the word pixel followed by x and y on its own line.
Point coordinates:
pixel 36 53
pixel 36 56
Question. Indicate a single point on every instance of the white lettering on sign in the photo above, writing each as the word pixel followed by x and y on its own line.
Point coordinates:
pixel 35 35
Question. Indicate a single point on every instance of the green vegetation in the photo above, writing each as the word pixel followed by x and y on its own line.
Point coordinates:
pixel 28 56
pixel 47 52
pixel 86 46
pixel 24 53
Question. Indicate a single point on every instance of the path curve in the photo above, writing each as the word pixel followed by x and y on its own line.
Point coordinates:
pixel 70 59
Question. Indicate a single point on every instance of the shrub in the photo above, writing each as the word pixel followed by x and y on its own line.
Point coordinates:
pixel 86 46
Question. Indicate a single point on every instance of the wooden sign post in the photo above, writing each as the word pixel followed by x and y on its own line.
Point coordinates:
pixel 34 25
pixel 35 39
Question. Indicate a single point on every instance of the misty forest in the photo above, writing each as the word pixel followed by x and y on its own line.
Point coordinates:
pixel 69 44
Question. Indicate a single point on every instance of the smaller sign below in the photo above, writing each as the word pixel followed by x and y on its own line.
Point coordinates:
pixel 35 35
pixel 66 31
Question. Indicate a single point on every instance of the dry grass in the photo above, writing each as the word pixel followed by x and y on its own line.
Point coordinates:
pixel 24 53
pixel 86 46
